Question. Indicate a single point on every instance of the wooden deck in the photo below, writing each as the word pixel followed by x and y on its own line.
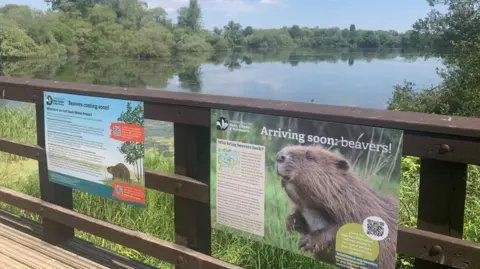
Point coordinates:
pixel 22 248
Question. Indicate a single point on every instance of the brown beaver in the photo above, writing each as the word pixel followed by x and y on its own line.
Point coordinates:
pixel 326 194
pixel 119 171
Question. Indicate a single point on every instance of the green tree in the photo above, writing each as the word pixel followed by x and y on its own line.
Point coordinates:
pixel 233 33
pixel 133 152
pixel 248 31
pixel 159 15
pixel 217 31
pixel 83 6
pixel 455 36
pixel 352 28
pixel 295 32
pixel 190 17
pixel 14 41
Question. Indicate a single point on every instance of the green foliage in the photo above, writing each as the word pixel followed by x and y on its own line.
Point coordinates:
pixel 130 27
pixel 14 41
pixel 455 36
pixel 186 41
pixel 190 17
pixel 152 40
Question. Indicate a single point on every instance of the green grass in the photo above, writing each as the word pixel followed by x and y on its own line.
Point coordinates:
pixel 157 218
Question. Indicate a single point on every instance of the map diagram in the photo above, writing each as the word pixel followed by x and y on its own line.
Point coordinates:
pixel 228 161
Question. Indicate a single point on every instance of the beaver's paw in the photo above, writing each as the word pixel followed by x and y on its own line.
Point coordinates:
pixel 296 223
pixel 306 244
pixel 315 242
pixel 291 223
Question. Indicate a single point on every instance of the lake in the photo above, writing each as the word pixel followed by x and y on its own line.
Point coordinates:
pixel 362 79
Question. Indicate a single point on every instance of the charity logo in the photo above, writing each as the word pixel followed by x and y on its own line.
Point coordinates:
pixel 49 100
pixel 222 124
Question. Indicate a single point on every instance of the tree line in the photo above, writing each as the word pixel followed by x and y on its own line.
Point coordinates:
pixel 130 27
pixel 458 30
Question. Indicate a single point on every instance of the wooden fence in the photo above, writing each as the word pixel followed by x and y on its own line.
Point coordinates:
pixel 445 145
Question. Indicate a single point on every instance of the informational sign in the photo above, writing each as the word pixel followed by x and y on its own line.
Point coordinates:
pixel 96 145
pixel 322 189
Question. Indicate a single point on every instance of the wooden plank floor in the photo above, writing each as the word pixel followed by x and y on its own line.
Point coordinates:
pixel 22 248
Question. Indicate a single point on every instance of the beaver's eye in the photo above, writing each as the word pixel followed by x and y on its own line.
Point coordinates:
pixel 343 165
pixel 309 156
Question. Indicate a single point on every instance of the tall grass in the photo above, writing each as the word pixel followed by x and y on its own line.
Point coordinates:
pixel 157 218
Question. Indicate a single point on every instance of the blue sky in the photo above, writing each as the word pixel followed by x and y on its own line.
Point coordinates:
pixel 365 14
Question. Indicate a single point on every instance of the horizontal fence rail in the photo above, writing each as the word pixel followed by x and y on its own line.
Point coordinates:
pixel 440 141
pixel 175 184
pixel 189 106
pixel 164 250
pixel 424 134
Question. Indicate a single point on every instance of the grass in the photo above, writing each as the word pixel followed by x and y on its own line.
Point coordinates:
pixel 157 218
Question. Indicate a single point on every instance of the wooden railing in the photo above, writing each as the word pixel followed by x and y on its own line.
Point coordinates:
pixel 445 145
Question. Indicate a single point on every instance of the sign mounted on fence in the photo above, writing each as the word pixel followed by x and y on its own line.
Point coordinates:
pixel 96 145
pixel 322 189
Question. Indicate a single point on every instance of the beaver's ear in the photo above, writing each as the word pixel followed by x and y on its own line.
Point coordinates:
pixel 343 165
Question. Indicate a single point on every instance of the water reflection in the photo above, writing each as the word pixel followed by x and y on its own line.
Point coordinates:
pixel 359 78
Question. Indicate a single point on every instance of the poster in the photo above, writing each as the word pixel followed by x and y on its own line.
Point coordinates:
pixel 321 189
pixel 96 145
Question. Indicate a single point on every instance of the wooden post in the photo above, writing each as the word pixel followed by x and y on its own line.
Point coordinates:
pixel 53 232
pixel 192 159
pixel 441 204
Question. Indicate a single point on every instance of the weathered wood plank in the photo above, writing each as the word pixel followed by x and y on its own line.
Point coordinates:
pixel 192 158
pixel 177 113
pixel 22 149
pixel 456 252
pixel 441 205
pixel 408 121
pixel 444 148
pixel 14 248
pixel 16 93
pixel 11 263
pixel 178 185
pixel 70 251
pixel 53 232
pixel 161 249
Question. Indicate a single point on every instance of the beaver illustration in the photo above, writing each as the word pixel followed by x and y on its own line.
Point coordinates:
pixel 326 194
pixel 119 171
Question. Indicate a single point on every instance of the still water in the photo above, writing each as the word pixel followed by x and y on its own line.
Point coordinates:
pixel 362 79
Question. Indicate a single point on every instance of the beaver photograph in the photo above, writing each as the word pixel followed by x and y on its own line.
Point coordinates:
pixel 119 172
pixel 330 190
pixel 325 193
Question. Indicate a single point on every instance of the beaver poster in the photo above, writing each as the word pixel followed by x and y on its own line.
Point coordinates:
pixel 321 189
pixel 96 145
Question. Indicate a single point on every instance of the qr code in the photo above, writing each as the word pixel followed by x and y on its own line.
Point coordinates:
pixel 375 228
pixel 116 130
pixel 119 190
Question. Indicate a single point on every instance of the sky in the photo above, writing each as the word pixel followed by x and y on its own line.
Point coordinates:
pixel 365 14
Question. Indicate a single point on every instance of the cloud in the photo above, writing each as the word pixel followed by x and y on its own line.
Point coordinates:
pixel 271 1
